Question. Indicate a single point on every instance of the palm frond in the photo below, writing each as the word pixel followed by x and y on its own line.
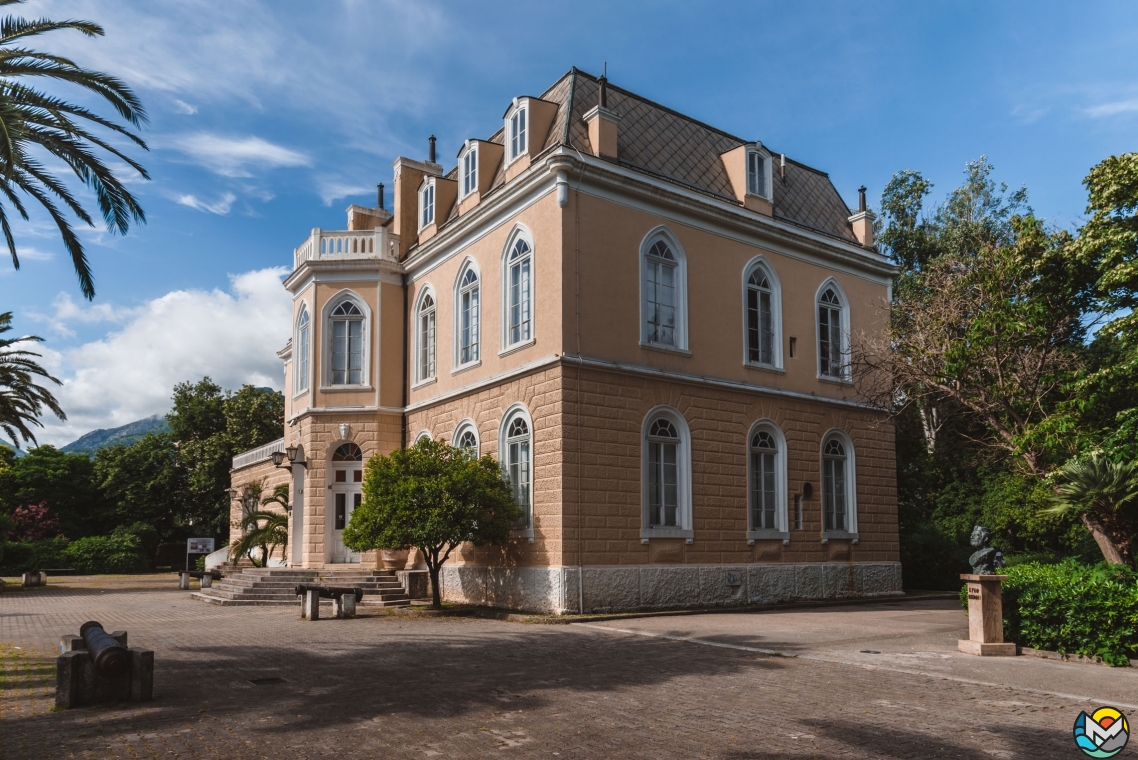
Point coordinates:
pixel 22 399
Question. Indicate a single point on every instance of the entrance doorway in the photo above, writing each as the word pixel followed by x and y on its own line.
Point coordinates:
pixel 346 492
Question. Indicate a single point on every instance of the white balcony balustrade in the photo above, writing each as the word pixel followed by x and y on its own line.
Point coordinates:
pixel 359 244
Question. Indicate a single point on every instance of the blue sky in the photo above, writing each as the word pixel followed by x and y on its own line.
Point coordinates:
pixel 269 118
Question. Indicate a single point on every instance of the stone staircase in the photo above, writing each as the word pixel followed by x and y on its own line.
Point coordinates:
pixel 275 586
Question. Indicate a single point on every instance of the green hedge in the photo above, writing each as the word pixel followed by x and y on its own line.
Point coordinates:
pixel 1073 608
pixel 120 552
pixel 24 556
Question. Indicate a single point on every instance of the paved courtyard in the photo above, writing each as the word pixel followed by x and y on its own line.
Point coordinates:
pixel 699 686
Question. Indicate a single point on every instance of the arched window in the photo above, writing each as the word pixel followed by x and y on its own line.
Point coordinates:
pixel 426 338
pixel 519 293
pixel 516 128
pixel 470 171
pixel 832 329
pixel 348 452
pixel 347 344
pixel 516 457
pixel 663 292
pixel 766 476
pixel 467 315
pixel 756 174
pixel 839 507
pixel 427 205
pixel 667 475
pixel 466 437
pixel 423 435
pixel 303 341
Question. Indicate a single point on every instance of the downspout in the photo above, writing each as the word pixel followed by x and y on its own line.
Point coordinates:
pixel 406 368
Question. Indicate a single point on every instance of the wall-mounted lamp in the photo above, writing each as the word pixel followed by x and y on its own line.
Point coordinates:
pixel 292 453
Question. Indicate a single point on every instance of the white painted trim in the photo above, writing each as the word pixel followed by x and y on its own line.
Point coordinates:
pixel 308 381
pixel 844 337
pixel 468 424
pixel 421 435
pixel 658 233
pixel 427 183
pixel 469 263
pixel 851 486
pixel 522 232
pixel 683 474
pixel 326 342
pixel 517 347
pixel 478 385
pixel 761 262
pixel 470 146
pixel 768 180
pixel 780 531
pixel 519 102
pixel 518 409
pixel 417 331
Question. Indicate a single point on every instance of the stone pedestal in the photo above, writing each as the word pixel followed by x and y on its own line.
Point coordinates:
pixel 184 581
pixel 311 608
pixel 34 579
pixel 77 683
pixel 345 606
pixel 207 581
pixel 985 618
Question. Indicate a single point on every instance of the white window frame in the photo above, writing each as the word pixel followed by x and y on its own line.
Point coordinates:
pixel 468 169
pixel 781 531
pixel 516 411
pixel 519 106
pixel 850 533
pixel 468 265
pixel 466 426
pixel 421 435
pixel 681 330
pixel 427 196
pixel 302 353
pixel 844 375
pixel 683 475
pixel 767 175
pixel 522 233
pixel 761 263
pixel 326 348
pixel 420 339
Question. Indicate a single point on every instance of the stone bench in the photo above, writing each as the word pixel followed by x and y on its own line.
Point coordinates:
pixel 207 577
pixel 344 600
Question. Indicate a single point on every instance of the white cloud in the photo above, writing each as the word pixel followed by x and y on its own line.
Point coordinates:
pixel 1112 108
pixel 334 189
pixel 234 156
pixel 30 253
pixel 232 336
pixel 184 108
pixel 220 207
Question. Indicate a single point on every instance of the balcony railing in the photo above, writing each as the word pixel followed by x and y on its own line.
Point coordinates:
pixel 359 244
pixel 259 454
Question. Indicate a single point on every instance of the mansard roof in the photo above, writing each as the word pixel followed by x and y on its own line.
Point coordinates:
pixel 672 147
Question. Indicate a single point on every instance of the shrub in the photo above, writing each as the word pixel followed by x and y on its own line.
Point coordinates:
pixel 34 521
pixel 120 552
pixel 23 556
pixel 1074 609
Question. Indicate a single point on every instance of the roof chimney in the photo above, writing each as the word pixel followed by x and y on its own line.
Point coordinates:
pixel 379 187
pixel 862 221
pixel 604 96
pixel 603 123
pixel 431 153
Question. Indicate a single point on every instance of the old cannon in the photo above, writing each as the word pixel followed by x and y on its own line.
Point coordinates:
pixel 111 659
pixel 344 600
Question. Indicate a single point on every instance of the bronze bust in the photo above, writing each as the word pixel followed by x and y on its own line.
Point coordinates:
pixel 982 560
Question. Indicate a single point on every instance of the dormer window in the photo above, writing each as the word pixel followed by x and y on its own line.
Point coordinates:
pixel 470 172
pixel 516 128
pixel 427 205
pixel 756 174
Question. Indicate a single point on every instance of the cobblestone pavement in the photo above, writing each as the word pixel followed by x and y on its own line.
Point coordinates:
pixel 419 688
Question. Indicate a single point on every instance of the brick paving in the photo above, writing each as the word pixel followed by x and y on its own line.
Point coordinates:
pixel 464 688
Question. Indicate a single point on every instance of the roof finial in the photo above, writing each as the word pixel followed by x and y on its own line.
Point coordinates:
pixel 861 198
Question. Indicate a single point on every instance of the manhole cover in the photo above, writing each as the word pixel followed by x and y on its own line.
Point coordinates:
pixel 266 681
pixel 863 651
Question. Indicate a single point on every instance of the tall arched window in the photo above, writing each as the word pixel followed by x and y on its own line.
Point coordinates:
pixel 663 292
pixel 667 476
pixel 347 344
pixel 303 342
pixel 467 315
pixel 519 293
pixel 832 327
pixel 466 437
pixel 766 476
pixel 516 457
pixel 426 338
pixel 839 505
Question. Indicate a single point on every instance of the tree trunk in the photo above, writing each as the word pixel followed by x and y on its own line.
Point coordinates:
pixel 1106 545
pixel 436 596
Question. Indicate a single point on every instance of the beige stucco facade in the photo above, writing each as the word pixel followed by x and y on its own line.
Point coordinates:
pixel 587 376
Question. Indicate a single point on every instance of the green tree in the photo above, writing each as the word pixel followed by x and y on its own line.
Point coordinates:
pixel 1104 495
pixel 434 497
pixel 145 484
pixel 264 529
pixel 22 399
pixel 65 481
pixel 36 124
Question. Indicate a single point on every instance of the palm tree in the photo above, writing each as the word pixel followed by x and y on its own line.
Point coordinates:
pixel 263 529
pixel 1101 493
pixel 22 401
pixel 32 122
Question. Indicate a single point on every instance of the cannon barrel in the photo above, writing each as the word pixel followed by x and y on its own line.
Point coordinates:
pixel 111 658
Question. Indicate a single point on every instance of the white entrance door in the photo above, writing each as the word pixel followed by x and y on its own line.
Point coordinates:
pixel 345 497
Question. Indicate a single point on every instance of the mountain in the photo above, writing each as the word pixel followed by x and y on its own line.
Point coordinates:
pixel 125 435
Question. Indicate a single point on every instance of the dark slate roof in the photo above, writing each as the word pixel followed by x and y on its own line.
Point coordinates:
pixel 667 145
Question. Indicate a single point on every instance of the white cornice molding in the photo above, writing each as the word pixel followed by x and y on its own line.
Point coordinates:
pixel 478 385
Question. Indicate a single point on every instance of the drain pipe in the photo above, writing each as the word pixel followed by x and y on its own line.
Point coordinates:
pixel 406 365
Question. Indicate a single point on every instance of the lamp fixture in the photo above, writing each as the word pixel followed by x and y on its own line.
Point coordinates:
pixel 278 458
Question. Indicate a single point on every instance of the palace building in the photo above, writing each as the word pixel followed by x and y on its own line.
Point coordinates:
pixel 645 319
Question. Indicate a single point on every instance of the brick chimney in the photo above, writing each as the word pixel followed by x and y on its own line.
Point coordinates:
pixel 862 221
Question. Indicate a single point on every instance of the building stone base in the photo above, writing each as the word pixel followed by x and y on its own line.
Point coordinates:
pixel 656 587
